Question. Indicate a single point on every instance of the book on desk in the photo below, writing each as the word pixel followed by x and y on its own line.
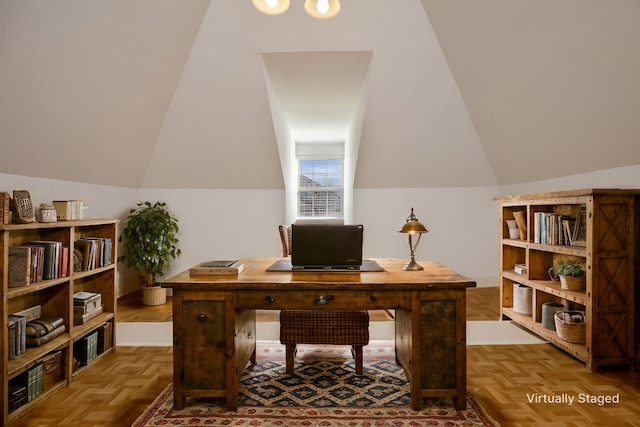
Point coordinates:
pixel 217 268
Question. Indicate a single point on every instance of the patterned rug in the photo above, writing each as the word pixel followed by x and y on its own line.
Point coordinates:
pixel 324 391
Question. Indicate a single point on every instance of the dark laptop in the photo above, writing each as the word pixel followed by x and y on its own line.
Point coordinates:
pixel 326 247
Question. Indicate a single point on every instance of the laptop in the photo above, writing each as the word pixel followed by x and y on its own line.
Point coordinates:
pixel 326 247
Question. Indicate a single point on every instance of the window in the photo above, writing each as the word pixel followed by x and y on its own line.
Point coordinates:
pixel 320 188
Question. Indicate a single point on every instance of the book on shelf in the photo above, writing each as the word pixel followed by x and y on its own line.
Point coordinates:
pixel 520 268
pixel 217 267
pixel 550 228
pixel 92 252
pixel 85 350
pixel 17 339
pixel 68 209
pixel 47 258
pixel 5 200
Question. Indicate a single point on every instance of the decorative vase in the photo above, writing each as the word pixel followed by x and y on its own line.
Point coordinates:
pixel 154 295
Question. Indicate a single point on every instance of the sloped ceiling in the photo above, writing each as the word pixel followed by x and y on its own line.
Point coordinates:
pixel 552 87
pixel 173 93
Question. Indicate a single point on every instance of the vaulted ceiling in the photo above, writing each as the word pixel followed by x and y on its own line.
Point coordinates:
pixel 182 93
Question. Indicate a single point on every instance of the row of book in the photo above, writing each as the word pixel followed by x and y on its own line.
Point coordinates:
pixel 17 335
pixel 85 350
pixel 38 260
pixel 92 252
pixel 553 228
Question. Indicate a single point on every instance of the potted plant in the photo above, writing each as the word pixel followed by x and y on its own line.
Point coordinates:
pixel 148 246
pixel 572 276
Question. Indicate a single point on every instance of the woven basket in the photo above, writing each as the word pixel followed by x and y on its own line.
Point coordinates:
pixel 573 283
pixel 522 300
pixel 19 266
pixel 154 295
pixel 570 326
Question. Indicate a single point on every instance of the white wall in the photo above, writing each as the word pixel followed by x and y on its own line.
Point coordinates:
pixel 625 177
pixel 103 202
pixel 462 222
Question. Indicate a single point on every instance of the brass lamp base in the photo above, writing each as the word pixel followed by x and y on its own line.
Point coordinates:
pixel 412 266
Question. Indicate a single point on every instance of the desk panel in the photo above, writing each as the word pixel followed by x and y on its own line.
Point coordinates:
pixel 321 300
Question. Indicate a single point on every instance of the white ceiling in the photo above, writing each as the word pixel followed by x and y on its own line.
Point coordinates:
pixel 175 93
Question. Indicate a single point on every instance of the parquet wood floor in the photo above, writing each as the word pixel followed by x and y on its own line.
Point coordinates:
pixel 116 388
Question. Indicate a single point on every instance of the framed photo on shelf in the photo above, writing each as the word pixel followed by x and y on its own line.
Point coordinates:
pixel 580 230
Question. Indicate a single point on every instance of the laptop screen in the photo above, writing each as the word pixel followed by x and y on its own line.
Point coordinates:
pixel 317 246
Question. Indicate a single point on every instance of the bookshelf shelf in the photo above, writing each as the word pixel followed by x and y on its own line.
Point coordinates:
pixel 610 255
pixel 55 296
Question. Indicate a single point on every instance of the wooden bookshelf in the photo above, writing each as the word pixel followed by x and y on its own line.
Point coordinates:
pixel 611 260
pixel 55 296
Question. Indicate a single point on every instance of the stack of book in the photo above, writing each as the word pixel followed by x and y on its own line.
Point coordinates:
pixel 44 329
pixel 17 396
pixel 520 268
pixel 217 267
pixel 86 306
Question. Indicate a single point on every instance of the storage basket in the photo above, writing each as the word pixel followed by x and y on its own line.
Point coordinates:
pixel 570 283
pixel 19 266
pixel 51 370
pixel 570 326
pixel 522 299
pixel 549 310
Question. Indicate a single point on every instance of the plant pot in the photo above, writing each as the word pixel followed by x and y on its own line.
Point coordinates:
pixel 154 295
pixel 573 283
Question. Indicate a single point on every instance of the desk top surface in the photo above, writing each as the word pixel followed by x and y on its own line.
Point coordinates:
pixel 256 276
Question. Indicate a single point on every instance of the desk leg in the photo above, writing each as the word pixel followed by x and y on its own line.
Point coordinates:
pixel 232 373
pixel 442 342
pixel 460 400
pixel 179 399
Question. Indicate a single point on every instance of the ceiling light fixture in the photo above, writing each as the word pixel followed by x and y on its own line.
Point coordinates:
pixel 320 9
pixel 271 7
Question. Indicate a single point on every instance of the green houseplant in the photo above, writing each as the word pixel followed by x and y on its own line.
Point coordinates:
pixel 572 275
pixel 149 243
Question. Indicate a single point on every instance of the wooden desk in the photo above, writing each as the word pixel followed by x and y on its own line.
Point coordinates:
pixel 214 322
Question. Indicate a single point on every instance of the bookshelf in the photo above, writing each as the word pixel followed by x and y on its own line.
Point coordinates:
pixel 609 252
pixel 55 297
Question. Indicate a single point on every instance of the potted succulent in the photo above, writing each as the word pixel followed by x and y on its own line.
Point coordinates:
pixel 572 276
pixel 148 246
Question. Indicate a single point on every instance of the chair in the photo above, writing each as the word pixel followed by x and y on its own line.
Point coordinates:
pixel 336 327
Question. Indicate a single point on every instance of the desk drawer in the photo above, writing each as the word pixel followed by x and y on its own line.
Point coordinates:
pixel 321 300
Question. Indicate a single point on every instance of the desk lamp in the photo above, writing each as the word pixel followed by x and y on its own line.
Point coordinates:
pixel 412 227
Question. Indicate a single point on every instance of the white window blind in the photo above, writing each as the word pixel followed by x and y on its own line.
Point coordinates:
pixel 320 188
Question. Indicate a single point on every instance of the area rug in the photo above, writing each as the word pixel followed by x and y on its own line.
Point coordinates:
pixel 324 391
